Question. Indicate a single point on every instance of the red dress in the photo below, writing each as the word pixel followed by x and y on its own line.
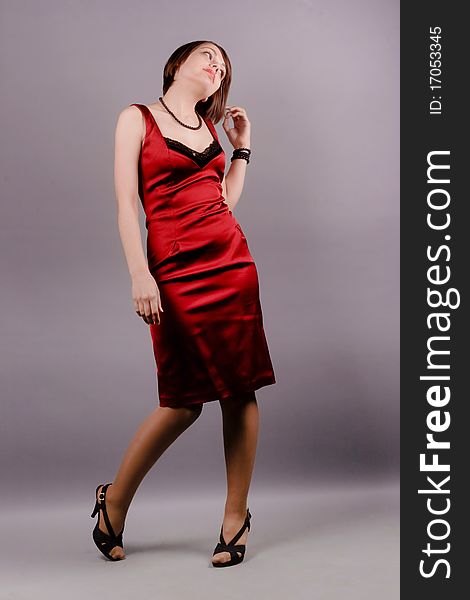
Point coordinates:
pixel 210 343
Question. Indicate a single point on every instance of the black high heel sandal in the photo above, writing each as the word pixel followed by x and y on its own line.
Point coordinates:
pixel 104 542
pixel 231 547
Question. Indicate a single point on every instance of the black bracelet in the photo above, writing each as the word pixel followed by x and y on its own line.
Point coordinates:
pixel 241 153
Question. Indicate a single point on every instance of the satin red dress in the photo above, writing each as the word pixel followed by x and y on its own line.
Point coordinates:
pixel 210 343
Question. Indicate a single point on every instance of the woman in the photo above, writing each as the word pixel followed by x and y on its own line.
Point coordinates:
pixel 197 288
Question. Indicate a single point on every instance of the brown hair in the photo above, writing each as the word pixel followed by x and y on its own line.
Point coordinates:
pixel 215 105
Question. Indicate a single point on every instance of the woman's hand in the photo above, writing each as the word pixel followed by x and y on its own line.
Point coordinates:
pixel 146 297
pixel 239 134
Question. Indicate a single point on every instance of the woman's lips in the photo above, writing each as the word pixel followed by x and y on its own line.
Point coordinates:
pixel 210 73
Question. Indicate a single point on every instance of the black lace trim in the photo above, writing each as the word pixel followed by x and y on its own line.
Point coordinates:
pixel 200 158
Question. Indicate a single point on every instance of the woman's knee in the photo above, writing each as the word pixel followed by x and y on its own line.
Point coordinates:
pixel 193 410
pixel 188 412
pixel 237 401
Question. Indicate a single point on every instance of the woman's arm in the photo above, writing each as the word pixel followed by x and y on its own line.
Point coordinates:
pixel 130 130
pixel 232 184
pixel 239 136
pixel 128 138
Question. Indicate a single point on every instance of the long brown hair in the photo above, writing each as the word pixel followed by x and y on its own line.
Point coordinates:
pixel 215 105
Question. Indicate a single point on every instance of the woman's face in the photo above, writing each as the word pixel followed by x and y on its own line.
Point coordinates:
pixel 206 65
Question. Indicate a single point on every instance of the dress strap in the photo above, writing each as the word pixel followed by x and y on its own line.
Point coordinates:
pixel 145 111
pixel 142 107
pixel 148 117
pixel 211 126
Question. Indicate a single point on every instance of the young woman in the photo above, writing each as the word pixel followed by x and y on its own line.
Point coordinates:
pixel 197 287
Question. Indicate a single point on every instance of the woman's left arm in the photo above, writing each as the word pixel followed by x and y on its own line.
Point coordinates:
pixel 239 137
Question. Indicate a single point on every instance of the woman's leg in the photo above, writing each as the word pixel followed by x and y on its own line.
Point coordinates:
pixel 240 428
pixel 157 432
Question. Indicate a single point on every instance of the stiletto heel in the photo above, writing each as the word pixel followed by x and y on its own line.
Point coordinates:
pixel 230 547
pixel 105 542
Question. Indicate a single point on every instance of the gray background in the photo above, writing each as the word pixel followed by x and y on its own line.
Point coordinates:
pixel 320 207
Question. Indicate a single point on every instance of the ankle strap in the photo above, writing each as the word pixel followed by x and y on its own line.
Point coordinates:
pixel 102 494
pixel 235 539
pixel 101 497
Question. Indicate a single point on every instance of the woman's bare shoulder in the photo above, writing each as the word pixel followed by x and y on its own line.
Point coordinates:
pixel 130 122
pixel 130 112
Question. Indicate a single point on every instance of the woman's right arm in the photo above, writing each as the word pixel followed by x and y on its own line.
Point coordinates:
pixel 130 130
